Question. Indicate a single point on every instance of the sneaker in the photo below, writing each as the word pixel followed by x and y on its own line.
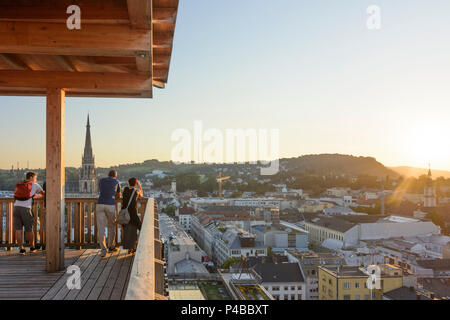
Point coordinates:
pixel 43 247
pixel 33 250
pixel 113 249
pixel 37 246
pixel 103 254
pixel 22 252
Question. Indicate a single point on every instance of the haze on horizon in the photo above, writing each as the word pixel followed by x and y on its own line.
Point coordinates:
pixel 310 69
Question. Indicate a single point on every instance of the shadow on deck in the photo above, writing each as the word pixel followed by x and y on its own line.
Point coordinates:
pixel 24 277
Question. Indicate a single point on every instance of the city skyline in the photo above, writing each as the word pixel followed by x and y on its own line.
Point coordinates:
pixel 328 84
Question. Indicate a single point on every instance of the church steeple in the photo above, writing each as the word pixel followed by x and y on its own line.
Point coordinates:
pixel 429 192
pixel 88 180
pixel 88 154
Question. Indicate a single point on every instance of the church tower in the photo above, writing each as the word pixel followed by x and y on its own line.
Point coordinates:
pixel 429 192
pixel 88 178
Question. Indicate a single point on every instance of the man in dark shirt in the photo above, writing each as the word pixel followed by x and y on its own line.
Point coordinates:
pixel 106 211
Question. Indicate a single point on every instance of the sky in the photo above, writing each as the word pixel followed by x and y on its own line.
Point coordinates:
pixel 311 69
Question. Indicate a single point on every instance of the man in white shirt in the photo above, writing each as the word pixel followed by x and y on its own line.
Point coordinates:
pixel 23 217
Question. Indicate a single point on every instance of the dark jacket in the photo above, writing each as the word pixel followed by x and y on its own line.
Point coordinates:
pixel 132 208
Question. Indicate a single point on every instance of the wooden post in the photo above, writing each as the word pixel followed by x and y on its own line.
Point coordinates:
pixel 55 179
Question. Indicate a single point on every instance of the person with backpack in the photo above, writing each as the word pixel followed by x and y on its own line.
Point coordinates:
pixel 24 193
pixel 109 188
pixel 130 196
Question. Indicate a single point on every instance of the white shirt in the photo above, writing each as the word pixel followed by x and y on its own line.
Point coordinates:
pixel 35 188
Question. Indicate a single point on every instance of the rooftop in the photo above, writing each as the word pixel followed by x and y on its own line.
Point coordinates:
pixel 279 272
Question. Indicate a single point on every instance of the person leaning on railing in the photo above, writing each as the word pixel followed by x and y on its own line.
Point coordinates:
pixel 109 188
pixel 24 194
pixel 130 229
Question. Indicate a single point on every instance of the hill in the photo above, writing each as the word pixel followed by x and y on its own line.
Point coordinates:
pixel 417 172
pixel 338 164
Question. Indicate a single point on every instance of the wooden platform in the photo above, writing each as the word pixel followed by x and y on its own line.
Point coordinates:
pixel 24 277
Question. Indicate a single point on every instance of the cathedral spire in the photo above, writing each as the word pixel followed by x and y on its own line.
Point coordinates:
pixel 88 143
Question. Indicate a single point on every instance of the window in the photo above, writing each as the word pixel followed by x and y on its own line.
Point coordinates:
pixel 346 285
pixel 293 288
pixel 357 297
pixel 286 288
pixel 357 285
pixel 276 288
pixel 286 297
pixel 346 297
pixel 299 287
pixel 366 297
pixel 292 296
pixel 330 293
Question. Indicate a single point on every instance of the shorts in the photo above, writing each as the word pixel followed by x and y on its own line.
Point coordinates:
pixel 23 217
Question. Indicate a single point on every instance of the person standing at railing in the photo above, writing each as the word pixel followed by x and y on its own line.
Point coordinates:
pixel 24 193
pixel 106 212
pixel 130 229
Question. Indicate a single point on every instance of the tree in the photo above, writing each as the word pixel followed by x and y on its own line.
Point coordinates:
pixel 437 219
pixel 228 263
pixel 169 210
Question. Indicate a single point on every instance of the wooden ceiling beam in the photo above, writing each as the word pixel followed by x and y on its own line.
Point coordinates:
pixel 164 15
pixel 75 80
pixel 56 39
pixel 14 62
pixel 92 11
pixel 140 13
pixel 65 63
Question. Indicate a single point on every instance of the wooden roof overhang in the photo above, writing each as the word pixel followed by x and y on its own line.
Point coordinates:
pixel 123 48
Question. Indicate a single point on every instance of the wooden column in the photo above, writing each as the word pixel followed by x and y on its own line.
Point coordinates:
pixel 55 179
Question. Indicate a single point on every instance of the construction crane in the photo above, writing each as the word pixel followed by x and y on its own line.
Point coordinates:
pixel 219 180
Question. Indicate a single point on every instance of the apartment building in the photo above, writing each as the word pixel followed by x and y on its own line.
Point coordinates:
pixel 183 255
pixel 350 282
pixel 309 263
pixel 349 230
pixel 279 236
pixel 223 240
pixel 284 281
pixel 184 217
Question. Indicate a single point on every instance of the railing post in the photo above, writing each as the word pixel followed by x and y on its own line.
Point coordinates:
pixel 10 235
pixel 95 223
pixel 69 223
pixel 1 222
pixel 77 225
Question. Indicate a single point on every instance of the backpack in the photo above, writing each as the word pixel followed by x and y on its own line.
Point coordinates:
pixel 22 192
pixel 124 216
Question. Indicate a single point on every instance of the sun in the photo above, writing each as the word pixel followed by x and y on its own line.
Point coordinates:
pixel 426 145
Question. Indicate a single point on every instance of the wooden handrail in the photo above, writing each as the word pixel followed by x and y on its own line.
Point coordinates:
pixel 147 273
pixel 80 222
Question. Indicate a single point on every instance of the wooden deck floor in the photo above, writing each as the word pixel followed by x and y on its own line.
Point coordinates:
pixel 24 277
